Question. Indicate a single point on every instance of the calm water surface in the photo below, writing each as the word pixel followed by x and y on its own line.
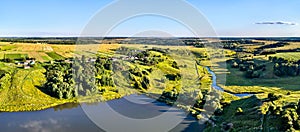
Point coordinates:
pixel 72 117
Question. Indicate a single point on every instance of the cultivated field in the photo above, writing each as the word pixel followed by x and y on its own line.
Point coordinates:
pixel 47 52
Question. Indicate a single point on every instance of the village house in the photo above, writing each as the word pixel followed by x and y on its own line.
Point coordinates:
pixel 26 64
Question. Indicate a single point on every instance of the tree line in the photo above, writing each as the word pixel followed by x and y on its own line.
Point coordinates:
pixel 284 67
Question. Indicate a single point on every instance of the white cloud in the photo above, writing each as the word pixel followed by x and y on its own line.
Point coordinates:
pixel 42 125
pixel 276 23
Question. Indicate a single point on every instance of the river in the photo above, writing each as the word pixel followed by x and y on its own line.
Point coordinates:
pixel 137 110
pixel 215 85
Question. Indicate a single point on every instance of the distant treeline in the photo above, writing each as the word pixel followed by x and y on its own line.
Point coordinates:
pixel 286 39
pixel 241 41
pixel 194 41
pixel 262 49
pixel 278 44
pixel 65 41
pixel 110 40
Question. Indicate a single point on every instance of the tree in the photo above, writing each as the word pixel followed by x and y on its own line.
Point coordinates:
pixel 298 107
pixel 255 74
pixel 251 67
pixel 174 65
pixel 273 97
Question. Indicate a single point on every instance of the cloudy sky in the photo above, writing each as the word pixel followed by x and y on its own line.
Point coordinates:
pixel 228 18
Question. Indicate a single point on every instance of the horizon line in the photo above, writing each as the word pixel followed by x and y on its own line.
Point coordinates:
pixel 149 37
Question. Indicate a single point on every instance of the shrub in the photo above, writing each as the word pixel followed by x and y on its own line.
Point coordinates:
pixel 199 116
pixel 239 111
pixel 235 65
pixel 273 97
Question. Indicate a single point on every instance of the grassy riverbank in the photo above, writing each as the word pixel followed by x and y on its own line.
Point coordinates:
pixel 20 92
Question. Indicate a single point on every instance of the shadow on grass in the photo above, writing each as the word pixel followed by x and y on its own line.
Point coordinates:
pixel 249 120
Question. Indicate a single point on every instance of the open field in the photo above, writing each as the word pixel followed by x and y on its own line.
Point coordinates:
pixel 235 77
pixel 47 52
pixel 16 56
pixel 293 56
pixel 54 55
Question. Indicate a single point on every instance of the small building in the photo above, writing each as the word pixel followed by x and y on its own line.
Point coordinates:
pixel 92 60
pixel 18 63
pixel 114 59
pixel 32 62
pixel 26 67
pixel 68 61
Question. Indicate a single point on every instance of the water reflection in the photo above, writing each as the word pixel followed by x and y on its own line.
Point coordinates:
pixel 66 106
pixel 71 117
pixel 64 118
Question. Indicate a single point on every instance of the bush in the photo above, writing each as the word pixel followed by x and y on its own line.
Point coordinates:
pixel 227 126
pixel 235 65
pixel 239 111
pixel 242 67
pixel 273 97
pixel 199 116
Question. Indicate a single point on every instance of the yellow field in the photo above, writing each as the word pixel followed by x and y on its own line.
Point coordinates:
pixel 38 51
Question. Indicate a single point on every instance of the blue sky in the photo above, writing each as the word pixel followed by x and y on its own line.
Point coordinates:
pixel 227 17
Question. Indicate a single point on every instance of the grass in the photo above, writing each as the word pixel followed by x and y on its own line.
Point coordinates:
pixel 8 67
pixel 54 55
pixel 250 120
pixel 234 77
pixel 21 93
pixel 1 55
pixel 16 56
pixel 293 56
pixel 226 97
pixel 236 82
pixel 46 58
pixel 7 47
